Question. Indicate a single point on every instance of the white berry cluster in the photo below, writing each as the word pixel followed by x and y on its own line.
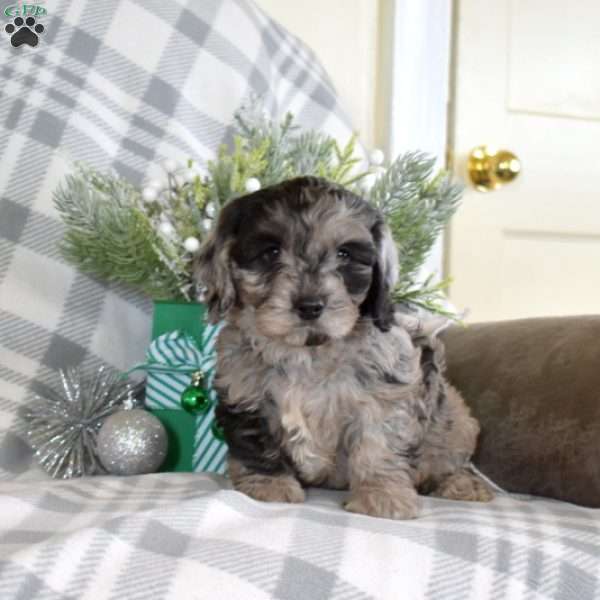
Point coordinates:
pixel 175 171
pixel 177 177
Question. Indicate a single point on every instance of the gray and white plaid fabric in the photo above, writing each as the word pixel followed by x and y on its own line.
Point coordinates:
pixel 123 85
pixel 187 536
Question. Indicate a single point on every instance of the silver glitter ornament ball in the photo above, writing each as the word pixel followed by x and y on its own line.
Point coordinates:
pixel 132 442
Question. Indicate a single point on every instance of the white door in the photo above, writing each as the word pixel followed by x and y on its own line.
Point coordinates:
pixel 528 80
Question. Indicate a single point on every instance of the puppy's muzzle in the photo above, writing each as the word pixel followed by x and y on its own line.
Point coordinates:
pixel 309 308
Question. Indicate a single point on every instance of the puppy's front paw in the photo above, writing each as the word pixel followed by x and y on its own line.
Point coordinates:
pixel 465 486
pixel 393 504
pixel 272 489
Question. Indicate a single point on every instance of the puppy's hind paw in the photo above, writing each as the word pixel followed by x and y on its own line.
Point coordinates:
pixel 375 502
pixel 465 486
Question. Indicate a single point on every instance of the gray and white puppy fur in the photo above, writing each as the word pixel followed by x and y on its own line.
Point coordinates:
pixel 320 382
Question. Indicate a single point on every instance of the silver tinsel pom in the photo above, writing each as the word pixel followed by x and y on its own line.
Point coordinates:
pixel 132 442
pixel 61 426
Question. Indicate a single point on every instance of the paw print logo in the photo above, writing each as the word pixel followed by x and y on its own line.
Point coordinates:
pixel 24 31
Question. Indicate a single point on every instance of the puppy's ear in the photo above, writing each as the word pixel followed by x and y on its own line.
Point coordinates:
pixel 378 304
pixel 213 270
pixel 388 255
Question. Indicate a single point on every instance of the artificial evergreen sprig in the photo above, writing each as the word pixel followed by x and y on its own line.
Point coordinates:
pixel 107 235
pixel 147 238
pixel 417 205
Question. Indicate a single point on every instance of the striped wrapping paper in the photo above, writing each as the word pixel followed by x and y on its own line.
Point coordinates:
pixel 176 350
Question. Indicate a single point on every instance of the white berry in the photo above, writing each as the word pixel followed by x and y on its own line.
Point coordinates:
pixel 210 210
pixel 170 165
pixel 189 175
pixel 150 194
pixel 179 181
pixel 166 228
pixel 207 224
pixel 157 184
pixel 191 244
pixel 368 181
pixel 252 185
pixel 377 157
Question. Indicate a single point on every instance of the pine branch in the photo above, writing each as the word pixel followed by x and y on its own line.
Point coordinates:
pixel 310 153
pixel 426 296
pixel 229 173
pixel 274 138
pixel 346 162
pixel 417 206
pixel 108 236
pixel 113 234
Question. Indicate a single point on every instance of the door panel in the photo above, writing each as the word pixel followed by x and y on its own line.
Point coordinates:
pixel 525 82
pixel 558 42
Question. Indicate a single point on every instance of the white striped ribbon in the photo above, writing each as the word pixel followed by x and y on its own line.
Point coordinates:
pixel 171 360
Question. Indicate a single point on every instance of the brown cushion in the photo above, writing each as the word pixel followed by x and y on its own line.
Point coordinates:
pixel 534 385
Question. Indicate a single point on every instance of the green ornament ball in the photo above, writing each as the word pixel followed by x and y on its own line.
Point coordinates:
pixel 195 398
pixel 217 431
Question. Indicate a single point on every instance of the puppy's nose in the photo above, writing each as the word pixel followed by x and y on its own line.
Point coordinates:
pixel 309 309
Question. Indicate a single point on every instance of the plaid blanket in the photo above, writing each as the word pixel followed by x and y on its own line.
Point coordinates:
pixel 119 84
pixel 123 84
pixel 183 536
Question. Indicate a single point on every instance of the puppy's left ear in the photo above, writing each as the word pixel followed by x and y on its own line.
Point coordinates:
pixel 378 303
pixel 213 268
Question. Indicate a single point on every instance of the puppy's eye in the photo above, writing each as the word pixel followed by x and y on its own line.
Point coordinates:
pixel 343 254
pixel 270 254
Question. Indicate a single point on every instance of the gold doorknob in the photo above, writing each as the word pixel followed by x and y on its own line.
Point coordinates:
pixel 491 169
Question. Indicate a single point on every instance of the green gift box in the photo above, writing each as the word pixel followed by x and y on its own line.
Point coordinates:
pixel 184 344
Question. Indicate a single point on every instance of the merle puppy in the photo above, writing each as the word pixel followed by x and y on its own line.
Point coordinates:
pixel 320 383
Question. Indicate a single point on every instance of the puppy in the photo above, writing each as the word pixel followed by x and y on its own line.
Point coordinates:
pixel 320 383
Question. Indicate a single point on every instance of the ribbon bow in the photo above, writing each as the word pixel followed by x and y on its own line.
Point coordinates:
pixel 178 352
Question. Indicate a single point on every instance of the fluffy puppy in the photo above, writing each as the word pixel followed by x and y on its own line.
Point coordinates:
pixel 319 381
